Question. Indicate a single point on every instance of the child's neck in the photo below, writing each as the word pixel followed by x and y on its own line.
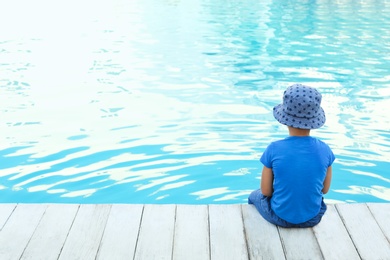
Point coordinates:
pixel 298 132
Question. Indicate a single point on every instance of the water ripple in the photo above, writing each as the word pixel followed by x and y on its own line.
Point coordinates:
pixel 171 102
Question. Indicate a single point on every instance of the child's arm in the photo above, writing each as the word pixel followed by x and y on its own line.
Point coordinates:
pixel 267 180
pixel 327 180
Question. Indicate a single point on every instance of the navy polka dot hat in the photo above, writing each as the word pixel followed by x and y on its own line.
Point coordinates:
pixel 301 108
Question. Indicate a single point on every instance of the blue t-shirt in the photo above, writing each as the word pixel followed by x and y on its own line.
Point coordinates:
pixel 299 165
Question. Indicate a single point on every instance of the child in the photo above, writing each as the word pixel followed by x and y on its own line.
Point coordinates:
pixel 297 170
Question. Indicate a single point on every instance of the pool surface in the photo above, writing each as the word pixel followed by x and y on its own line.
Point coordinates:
pixel 171 101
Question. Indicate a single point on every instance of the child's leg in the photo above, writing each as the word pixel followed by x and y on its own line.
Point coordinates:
pixel 263 206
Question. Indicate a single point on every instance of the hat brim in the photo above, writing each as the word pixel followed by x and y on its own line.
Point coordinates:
pixel 299 122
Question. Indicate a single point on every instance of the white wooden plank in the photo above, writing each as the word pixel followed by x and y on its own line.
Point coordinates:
pixel 121 232
pixel 333 238
pixel 5 211
pixel 368 238
pixel 18 230
pixel 191 240
pixel 381 212
pixel 300 243
pixel 51 232
pixel 262 237
pixel 155 240
pixel 227 240
pixel 86 232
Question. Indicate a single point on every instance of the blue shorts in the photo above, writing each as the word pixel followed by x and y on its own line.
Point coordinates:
pixel 263 206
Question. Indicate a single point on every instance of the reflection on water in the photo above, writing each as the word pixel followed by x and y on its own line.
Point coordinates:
pixel 171 101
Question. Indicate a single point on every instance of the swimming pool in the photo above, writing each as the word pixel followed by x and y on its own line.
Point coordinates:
pixel 171 101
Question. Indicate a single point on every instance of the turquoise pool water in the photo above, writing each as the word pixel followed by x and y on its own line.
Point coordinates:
pixel 171 101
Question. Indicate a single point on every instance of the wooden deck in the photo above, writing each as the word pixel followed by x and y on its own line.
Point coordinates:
pixel 120 231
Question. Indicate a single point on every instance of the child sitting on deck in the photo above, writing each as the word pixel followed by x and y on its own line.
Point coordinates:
pixel 297 170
